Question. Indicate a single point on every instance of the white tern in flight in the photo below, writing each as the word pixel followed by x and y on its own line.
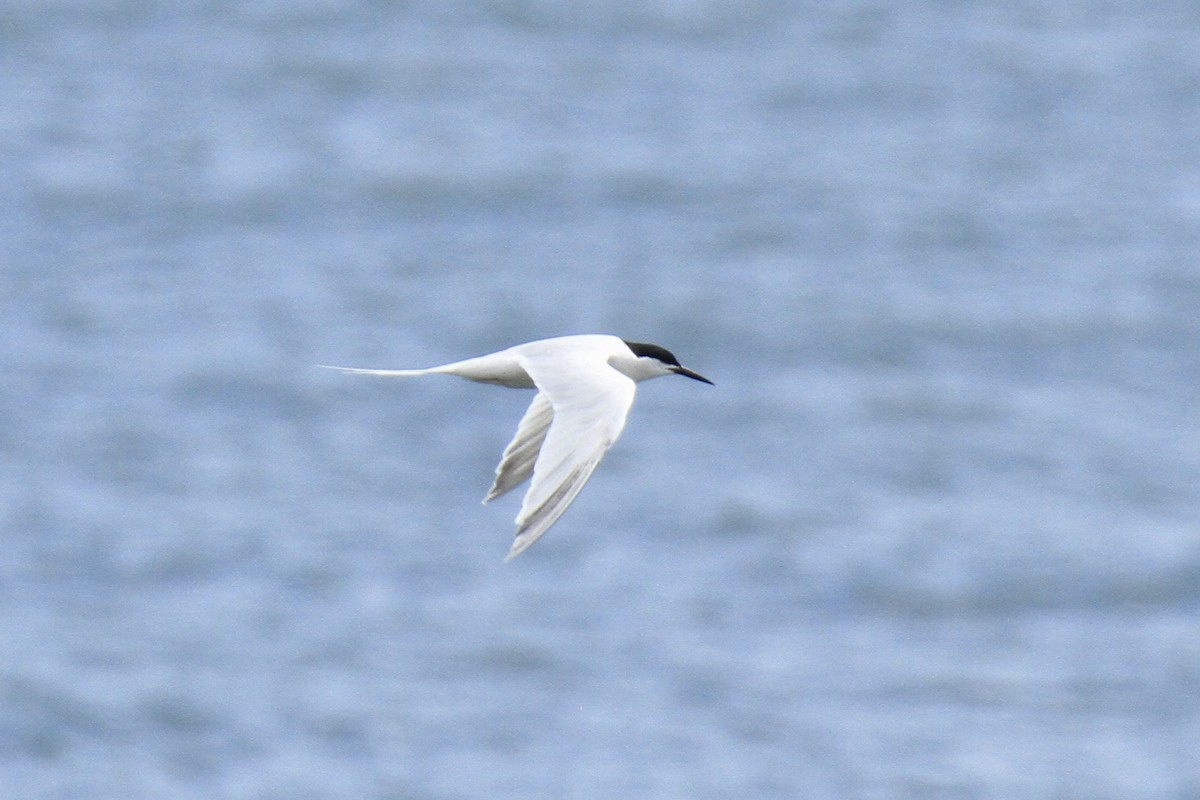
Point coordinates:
pixel 585 387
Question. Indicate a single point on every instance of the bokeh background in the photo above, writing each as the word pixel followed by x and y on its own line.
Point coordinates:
pixel 935 533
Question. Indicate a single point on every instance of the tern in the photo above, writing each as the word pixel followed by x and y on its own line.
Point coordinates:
pixel 585 387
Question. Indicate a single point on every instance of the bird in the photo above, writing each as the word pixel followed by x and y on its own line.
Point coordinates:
pixel 585 388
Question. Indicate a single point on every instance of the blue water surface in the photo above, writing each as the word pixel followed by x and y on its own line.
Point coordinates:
pixel 935 532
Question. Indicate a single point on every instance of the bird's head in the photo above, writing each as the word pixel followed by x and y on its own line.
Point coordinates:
pixel 654 361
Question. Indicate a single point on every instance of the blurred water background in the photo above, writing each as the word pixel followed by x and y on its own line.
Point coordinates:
pixel 935 533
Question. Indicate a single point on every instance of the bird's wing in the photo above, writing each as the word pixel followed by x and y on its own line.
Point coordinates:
pixel 517 462
pixel 590 402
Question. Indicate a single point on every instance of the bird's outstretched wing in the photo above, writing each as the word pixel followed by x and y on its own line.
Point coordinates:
pixel 517 462
pixel 589 402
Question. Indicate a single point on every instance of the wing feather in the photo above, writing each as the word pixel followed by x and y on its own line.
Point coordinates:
pixel 516 465
pixel 590 402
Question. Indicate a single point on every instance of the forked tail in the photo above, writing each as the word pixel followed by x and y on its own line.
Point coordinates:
pixel 387 373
